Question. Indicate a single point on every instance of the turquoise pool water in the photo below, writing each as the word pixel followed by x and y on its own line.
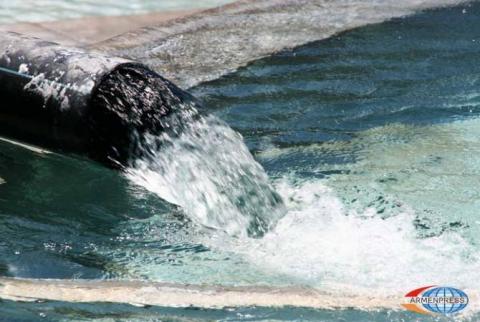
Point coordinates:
pixel 369 137
pixel 47 10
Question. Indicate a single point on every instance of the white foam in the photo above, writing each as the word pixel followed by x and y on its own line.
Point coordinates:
pixel 209 172
pixel 23 69
pixel 326 243
pixel 320 242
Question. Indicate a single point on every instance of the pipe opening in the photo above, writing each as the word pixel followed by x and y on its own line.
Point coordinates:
pixel 129 102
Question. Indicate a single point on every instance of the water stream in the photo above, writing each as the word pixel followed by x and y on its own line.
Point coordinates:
pixel 208 171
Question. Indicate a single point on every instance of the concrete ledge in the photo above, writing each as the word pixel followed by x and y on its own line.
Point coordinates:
pixel 204 46
pixel 178 295
pixel 192 47
pixel 86 31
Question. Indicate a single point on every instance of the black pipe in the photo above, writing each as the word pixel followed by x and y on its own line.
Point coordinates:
pixel 72 101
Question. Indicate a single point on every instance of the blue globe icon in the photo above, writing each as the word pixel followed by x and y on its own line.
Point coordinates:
pixel 446 307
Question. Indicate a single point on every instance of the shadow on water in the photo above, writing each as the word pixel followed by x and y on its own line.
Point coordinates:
pixel 56 210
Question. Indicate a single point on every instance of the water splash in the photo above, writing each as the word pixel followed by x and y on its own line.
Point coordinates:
pixel 322 243
pixel 194 161
pixel 202 165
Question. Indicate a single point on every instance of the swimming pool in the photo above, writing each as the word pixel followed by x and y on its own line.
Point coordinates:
pixel 371 139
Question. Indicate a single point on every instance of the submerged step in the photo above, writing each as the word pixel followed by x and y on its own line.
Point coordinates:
pixel 179 295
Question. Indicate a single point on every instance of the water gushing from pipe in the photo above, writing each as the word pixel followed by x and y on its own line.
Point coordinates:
pixel 202 165
pixel 195 161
